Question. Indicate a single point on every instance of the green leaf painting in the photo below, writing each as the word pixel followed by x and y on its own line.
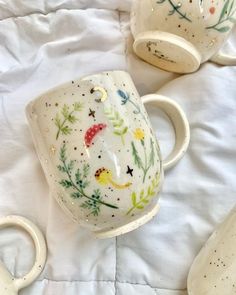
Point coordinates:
pixel 148 160
pixel 227 16
pixel 77 181
pixel 175 9
pixel 117 122
pixel 140 200
pixel 67 117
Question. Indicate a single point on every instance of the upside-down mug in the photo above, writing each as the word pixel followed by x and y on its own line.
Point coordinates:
pixel 178 36
pixel 99 152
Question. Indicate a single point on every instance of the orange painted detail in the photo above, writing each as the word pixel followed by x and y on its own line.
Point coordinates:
pixel 212 10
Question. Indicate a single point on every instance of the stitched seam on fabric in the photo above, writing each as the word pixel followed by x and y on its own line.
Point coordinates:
pixel 108 281
pixel 157 288
pixel 56 10
pixel 124 38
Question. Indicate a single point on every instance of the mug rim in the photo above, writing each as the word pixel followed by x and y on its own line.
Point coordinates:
pixel 57 87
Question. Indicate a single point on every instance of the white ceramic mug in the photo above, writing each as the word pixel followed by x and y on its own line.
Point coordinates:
pixel 99 152
pixel 10 285
pixel 178 36
pixel 214 269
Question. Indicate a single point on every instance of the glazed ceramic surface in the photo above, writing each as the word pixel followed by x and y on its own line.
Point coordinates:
pixel 180 35
pixel 10 285
pixel 214 270
pixel 99 153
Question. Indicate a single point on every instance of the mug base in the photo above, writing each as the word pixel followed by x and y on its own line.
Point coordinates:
pixel 104 234
pixel 167 51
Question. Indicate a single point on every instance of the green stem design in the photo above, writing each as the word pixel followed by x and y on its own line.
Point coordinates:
pixel 147 167
pixel 81 191
pixel 117 122
pixel 227 14
pixel 80 184
pixel 137 111
pixel 138 161
pixel 175 9
pixel 122 139
pixel 60 128
pixel 68 117
pixel 125 98
pixel 144 198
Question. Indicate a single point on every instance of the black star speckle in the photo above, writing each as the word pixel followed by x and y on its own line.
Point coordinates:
pixel 129 171
pixel 91 113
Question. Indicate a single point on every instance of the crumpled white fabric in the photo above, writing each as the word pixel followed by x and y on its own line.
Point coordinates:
pixel 45 43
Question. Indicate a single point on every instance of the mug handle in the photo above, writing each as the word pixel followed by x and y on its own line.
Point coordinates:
pixel 179 122
pixel 224 59
pixel 40 247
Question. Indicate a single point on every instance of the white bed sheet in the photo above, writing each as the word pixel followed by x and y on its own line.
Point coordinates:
pixel 45 43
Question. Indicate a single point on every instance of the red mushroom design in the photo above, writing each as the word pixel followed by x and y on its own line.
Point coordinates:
pixel 92 132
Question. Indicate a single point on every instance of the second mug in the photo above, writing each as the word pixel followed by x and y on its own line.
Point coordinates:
pixel 178 36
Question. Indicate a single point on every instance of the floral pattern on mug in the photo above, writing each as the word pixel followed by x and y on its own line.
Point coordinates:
pixel 143 198
pixel 226 19
pixel 223 24
pixel 117 122
pixel 175 8
pixel 78 184
pixel 148 161
pixel 67 117
pixel 77 180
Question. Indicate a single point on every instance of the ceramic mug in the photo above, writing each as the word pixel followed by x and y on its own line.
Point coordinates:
pixel 8 284
pixel 99 152
pixel 213 270
pixel 178 36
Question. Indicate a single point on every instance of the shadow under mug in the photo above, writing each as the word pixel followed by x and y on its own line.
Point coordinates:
pixel 99 152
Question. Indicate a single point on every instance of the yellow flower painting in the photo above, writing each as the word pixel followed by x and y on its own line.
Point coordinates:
pixel 139 134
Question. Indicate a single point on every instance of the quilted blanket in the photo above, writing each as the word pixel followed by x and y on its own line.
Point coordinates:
pixel 45 43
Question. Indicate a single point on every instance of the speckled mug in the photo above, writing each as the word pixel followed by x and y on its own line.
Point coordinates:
pixel 178 36
pixel 10 285
pixel 99 153
pixel 214 269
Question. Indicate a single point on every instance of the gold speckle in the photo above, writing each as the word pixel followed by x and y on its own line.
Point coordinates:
pixel 212 42
pixel 46 161
pixel 103 93
pixel 53 149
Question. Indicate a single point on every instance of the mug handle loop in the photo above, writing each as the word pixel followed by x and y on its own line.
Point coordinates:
pixel 224 59
pixel 180 124
pixel 40 248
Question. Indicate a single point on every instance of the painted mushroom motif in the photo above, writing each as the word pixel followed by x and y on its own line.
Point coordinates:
pixel 104 177
pixel 92 132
